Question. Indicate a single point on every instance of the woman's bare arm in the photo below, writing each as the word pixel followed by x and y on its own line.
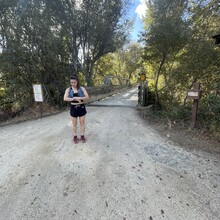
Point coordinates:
pixel 66 98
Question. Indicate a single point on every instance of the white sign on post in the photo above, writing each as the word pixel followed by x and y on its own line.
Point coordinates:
pixel 191 93
pixel 38 92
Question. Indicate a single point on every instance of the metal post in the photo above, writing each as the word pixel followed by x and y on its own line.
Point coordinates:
pixel 139 95
pixel 38 96
pixel 142 93
pixel 145 93
pixel 41 109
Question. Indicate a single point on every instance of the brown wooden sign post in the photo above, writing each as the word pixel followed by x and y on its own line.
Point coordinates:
pixel 194 94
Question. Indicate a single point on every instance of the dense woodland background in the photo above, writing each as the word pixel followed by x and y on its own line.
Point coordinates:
pixel 47 41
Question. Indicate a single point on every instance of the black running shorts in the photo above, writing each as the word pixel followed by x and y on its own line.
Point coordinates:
pixel 78 110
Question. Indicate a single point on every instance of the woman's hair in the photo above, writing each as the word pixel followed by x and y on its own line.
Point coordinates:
pixel 74 77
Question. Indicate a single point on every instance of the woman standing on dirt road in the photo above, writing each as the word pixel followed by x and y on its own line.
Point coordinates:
pixel 76 95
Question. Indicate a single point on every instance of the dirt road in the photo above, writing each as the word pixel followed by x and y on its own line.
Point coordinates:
pixel 125 170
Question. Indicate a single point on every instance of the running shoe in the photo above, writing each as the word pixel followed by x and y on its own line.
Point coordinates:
pixel 75 140
pixel 83 139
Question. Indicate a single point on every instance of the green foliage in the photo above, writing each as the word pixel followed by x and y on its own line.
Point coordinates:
pixel 180 51
pixel 125 63
pixel 47 41
pixel 210 110
pixel 213 103
pixel 166 34
pixel 177 114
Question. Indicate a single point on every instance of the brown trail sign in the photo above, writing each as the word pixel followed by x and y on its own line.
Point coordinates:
pixel 194 94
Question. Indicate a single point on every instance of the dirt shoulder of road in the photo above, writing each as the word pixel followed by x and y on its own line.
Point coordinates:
pixel 183 135
pixel 32 114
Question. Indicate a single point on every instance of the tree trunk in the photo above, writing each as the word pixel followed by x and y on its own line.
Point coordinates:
pixel 89 73
pixel 74 52
pixel 157 79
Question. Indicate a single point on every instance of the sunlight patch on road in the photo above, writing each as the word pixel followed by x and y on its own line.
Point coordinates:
pixel 134 98
pixel 126 94
pixel 133 90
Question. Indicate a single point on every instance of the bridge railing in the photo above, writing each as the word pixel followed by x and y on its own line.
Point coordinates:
pixel 97 93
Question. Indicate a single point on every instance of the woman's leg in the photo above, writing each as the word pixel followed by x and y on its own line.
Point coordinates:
pixel 82 124
pixel 74 122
